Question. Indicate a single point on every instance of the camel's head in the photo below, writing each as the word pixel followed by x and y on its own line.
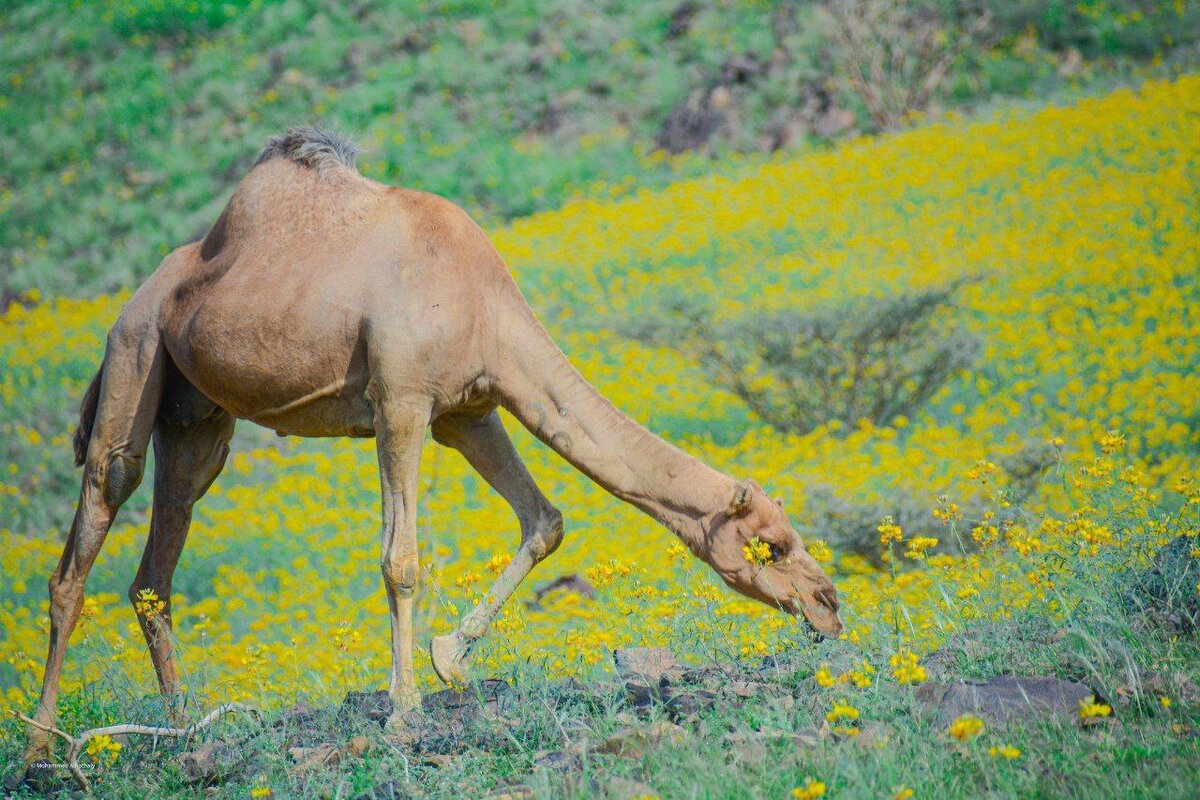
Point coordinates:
pixel 753 548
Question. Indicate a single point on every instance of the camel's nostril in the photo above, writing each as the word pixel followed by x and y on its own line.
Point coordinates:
pixel 827 597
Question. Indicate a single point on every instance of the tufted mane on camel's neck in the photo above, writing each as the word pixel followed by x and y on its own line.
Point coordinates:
pixel 540 387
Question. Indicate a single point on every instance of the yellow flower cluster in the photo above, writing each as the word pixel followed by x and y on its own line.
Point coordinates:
pixel 966 727
pixel 1091 709
pixel 889 532
pixel 906 668
pixel 756 551
pixel 148 604
pixel 103 749
pixel 811 790
pixel 843 717
pixel 919 545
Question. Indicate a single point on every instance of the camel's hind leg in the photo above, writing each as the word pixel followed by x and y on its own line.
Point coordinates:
pixel 187 459
pixel 486 445
pixel 129 395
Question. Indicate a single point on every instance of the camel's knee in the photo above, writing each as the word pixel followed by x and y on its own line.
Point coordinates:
pixel 547 533
pixel 117 477
pixel 400 574
pixel 66 599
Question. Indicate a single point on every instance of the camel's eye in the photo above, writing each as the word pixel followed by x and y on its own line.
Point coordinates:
pixel 779 552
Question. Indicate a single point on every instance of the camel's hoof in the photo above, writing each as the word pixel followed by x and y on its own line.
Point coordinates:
pixel 405 699
pixel 406 712
pixel 449 655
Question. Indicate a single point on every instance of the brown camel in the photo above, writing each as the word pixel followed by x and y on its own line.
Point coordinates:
pixel 322 303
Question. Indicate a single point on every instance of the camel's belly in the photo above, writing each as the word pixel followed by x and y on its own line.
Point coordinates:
pixel 303 382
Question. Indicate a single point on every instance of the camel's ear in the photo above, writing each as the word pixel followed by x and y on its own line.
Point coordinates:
pixel 740 503
pixel 778 500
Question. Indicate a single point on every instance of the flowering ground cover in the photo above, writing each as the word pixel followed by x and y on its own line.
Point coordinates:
pixel 1076 229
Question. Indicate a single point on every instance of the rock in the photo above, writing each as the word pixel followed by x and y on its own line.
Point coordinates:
pixel 681 19
pixel 645 663
pixel 834 121
pixel 1003 699
pixel 566 692
pixel 309 758
pixel 299 714
pixel 752 747
pixel 688 704
pixel 571 583
pixel 438 760
pixel 491 697
pixel 626 789
pixel 637 742
pixel 978 643
pixel 1177 686
pixel 690 124
pixel 369 706
pixel 678 702
pixel 557 761
pixel 357 747
pixel 212 762
pixel 872 736
pixel 741 69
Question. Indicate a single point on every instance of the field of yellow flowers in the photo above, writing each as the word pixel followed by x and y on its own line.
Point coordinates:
pixel 1079 228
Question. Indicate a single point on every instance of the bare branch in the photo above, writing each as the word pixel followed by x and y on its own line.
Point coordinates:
pixel 76 743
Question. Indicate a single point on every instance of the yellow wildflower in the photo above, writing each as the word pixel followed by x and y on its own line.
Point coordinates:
pixel 148 604
pixel 1111 442
pixel 918 545
pixel 906 668
pixel 824 677
pixel 758 552
pixel 843 711
pixel 103 749
pixel 968 726
pixel 819 550
pixel 811 790
pixel 1004 751
pixel 1090 709
pixel 889 532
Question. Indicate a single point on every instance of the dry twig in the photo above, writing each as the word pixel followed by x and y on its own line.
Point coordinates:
pixel 76 743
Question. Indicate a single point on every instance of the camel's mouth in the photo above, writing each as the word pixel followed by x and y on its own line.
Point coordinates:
pixel 821 622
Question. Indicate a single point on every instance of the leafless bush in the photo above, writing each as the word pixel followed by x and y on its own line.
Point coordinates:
pixel 872 359
pixel 895 54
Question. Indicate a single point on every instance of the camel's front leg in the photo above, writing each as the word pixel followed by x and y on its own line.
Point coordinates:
pixel 400 432
pixel 485 444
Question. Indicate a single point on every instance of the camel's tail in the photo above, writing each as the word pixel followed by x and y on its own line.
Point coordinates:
pixel 87 417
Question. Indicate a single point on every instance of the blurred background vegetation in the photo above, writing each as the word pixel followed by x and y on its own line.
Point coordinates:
pixel 125 125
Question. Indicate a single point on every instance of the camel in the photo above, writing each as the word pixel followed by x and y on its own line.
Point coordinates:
pixel 322 303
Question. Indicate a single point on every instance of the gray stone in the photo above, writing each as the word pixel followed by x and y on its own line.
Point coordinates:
pixel 1004 699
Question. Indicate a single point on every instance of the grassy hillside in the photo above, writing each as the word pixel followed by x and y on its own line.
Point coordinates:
pixel 1078 226
pixel 123 126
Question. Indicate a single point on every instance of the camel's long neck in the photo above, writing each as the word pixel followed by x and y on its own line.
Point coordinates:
pixel 541 388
